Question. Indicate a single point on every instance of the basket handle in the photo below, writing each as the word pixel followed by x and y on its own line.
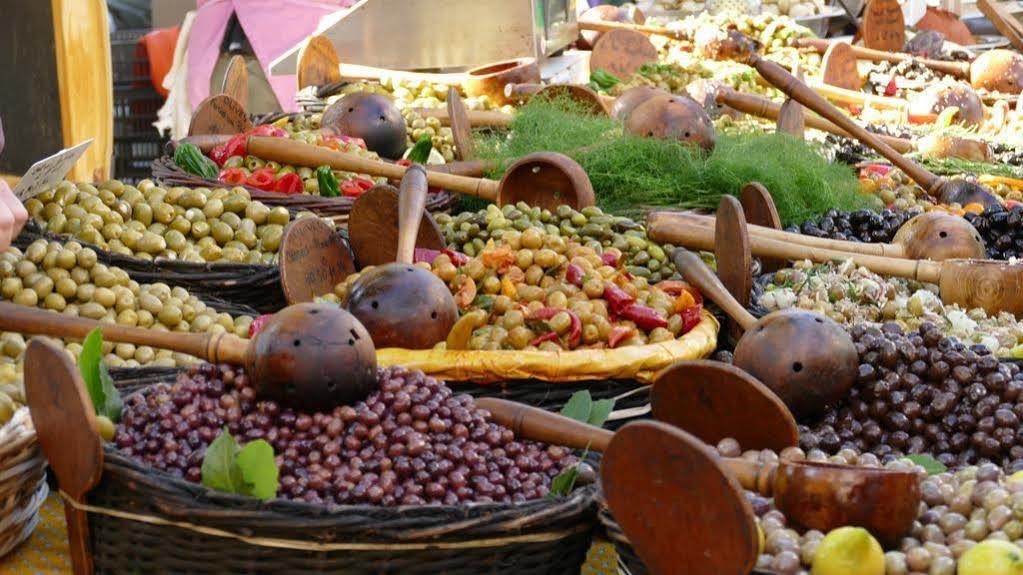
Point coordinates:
pixel 65 423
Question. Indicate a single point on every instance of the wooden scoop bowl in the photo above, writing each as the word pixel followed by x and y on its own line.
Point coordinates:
pixel 993 285
pixel 583 95
pixel 545 179
pixel 808 360
pixel 401 305
pixel 312 356
pixel 811 495
pixel 931 235
pixel 948 191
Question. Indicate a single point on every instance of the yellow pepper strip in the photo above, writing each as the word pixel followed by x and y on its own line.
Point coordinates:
pixel 461 332
pixel 995 180
pixel 508 287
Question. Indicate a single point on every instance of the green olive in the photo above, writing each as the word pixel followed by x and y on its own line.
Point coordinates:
pixel 270 237
pixel 86 258
pixel 170 316
pixel 35 252
pixel 142 212
pixel 279 215
pixel 257 212
pixel 181 224
pixel 54 301
pixel 11 287
pixel 164 213
pixel 92 310
pixel 221 232
pixel 214 208
pixel 234 204
pixel 151 243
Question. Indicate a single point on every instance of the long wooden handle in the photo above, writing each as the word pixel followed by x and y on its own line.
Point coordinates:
pixel 477 118
pixel 539 425
pixel 853 97
pixel 888 250
pixel 411 203
pixel 752 475
pixel 801 93
pixel 211 347
pixel 287 151
pixel 697 273
pixel 359 72
pixel 605 26
pixel 470 168
pixel 521 90
pixel 961 69
pixel 769 109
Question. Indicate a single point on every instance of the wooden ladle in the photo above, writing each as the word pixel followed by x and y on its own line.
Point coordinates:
pixel 545 179
pixel 948 191
pixel 993 285
pixel 808 360
pixel 400 304
pixel 812 495
pixel 931 235
pixel 995 70
pixel 312 356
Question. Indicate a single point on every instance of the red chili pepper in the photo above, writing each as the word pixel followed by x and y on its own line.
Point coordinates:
pixel 457 258
pixel 891 89
pixel 258 323
pixel 690 318
pixel 879 169
pixel 618 334
pixel 289 184
pixel 617 298
pixel 609 259
pixel 922 118
pixel 575 330
pixel 364 183
pixel 234 147
pixel 549 336
pixel 676 287
pixel 262 179
pixel 268 131
pixel 404 162
pixel 574 275
pixel 351 189
pixel 646 318
pixel 232 176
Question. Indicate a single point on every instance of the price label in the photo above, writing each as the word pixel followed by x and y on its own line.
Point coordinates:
pixel 313 260
pixel 49 172
pixel 884 27
pixel 840 67
pixel 622 52
pixel 220 114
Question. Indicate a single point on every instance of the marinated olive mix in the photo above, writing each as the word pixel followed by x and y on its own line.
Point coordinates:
pixel 150 222
pixel 468 232
pixel 411 443
pixel 67 278
pixel 921 392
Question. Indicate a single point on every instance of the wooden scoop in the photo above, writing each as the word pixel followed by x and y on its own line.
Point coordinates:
pixel 400 304
pixel 583 95
pixel 808 360
pixel 812 495
pixel 65 423
pixel 312 356
pixel 993 285
pixel 821 46
pixel 791 119
pixel 949 191
pixel 236 81
pixel 545 179
pixel 931 235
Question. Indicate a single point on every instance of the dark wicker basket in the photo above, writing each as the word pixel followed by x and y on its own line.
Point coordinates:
pixel 337 209
pixel 245 289
pixel 314 98
pixel 146 521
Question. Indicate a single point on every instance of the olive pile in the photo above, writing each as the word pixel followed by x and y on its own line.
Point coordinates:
pixel 150 222
pixel 310 181
pixel 12 387
pixel 67 278
pixel 925 393
pixel 858 226
pixel 469 232
pixel 412 442
pixel 1002 231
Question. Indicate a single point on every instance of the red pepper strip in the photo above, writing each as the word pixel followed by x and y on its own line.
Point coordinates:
pixel 289 184
pixel 618 334
pixel 457 258
pixel 234 147
pixel 879 169
pixel 258 323
pixel 261 179
pixel 574 275
pixel 575 330
pixel 351 189
pixel 609 259
pixel 549 336
pixel 364 183
pixel 424 255
pixel 269 131
pixel 617 298
pixel 892 88
pixel 646 318
pixel 690 318
pixel 232 176
pixel 922 118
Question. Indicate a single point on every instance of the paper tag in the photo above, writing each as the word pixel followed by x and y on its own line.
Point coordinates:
pixel 49 172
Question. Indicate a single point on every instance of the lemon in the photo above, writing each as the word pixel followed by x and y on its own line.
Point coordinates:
pixel 992 557
pixel 848 551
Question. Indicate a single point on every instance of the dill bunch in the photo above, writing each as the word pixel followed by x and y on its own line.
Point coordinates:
pixel 630 174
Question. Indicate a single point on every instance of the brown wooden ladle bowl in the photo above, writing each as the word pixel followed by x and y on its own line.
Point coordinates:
pixel 812 495
pixel 935 236
pixel 808 360
pixel 311 356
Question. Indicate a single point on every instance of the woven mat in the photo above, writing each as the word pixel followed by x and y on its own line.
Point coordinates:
pixel 45 552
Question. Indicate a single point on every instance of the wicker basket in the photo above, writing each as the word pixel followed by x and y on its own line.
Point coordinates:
pixel 336 209
pixel 23 486
pixel 235 288
pixel 146 521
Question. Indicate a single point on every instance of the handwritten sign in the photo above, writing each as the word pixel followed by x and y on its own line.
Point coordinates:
pixel 884 27
pixel 622 52
pixel 313 260
pixel 373 228
pixel 840 67
pixel 49 172
pixel 318 64
pixel 220 114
